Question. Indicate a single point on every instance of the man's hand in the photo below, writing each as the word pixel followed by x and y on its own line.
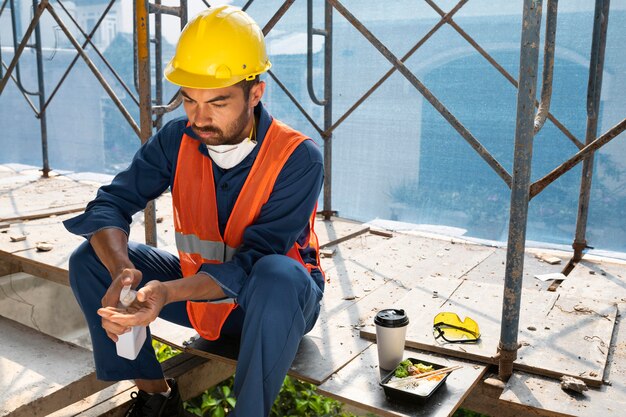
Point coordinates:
pixel 146 308
pixel 111 299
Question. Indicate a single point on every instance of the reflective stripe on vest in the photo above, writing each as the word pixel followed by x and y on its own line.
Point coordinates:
pixel 196 224
pixel 208 249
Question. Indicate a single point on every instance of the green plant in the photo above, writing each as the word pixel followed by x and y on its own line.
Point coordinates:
pixel 163 351
pixel 297 398
pixel 216 402
pixel 461 412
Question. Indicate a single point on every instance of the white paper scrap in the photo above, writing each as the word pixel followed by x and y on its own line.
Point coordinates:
pixel 548 277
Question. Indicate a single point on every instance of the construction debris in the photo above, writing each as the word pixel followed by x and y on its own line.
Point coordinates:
pixel 43 246
pixel 569 383
pixel 17 238
pixel 380 232
pixel 552 260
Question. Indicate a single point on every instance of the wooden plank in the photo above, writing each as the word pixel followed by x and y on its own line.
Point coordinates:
pixel 351 249
pixel 43 194
pixel 12 263
pixel 345 237
pixel 98 402
pixel 8 265
pixel 581 327
pixel 337 228
pixel 609 400
pixel 172 334
pixel 198 374
pixel 358 383
pixel 41 374
pixel 51 265
pixel 492 269
pixel 193 374
pixel 347 283
pixel 43 213
pixel 485 399
pixel 545 397
pixel 406 257
pixel 381 232
pixel 597 280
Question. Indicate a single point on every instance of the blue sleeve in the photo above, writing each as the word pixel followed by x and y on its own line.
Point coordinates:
pixel 282 220
pixel 147 177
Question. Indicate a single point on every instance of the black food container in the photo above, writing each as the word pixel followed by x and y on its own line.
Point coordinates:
pixel 407 394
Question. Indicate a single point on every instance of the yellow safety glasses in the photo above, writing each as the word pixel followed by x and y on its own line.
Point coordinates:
pixel 450 328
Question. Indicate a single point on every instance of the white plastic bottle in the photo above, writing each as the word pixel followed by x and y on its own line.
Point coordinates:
pixel 129 344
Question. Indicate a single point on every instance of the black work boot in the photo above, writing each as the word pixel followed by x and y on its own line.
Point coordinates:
pixel 156 405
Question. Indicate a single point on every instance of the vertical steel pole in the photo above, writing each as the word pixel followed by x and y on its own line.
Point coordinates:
pixel 43 125
pixel 520 187
pixel 145 101
pixel 158 64
pixel 328 109
pixel 594 88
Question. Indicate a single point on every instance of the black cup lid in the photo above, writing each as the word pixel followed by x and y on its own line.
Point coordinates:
pixel 391 317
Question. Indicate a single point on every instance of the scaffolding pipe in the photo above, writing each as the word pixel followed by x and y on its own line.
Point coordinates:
pixel 524 132
pixel 18 51
pixel 548 65
pixel 594 90
pixel 161 109
pixel 24 94
pixel 157 8
pixel 15 24
pixel 310 31
pixel 43 124
pixel 145 102
pixel 158 60
pixel 88 37
pixel 504 72
pixel 295 102
pixel 428 95
pixel 593 146
pixel 445 18
pixel 277 16
pixel 4 3
pixel 328 109
pixel 93 69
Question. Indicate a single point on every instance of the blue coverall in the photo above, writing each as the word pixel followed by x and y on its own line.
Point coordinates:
pixel 278 298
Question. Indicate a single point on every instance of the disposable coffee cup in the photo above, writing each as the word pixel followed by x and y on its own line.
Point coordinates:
pixel 391 327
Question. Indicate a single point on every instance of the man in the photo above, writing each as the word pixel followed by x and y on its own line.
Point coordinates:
pixel 244 191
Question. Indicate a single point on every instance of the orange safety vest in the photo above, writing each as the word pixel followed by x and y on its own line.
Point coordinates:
pixel 198 237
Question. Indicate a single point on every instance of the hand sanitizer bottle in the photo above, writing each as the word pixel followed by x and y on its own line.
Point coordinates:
pixel 129 344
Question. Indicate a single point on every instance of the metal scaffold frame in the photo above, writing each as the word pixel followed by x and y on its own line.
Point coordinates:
pixel 531 114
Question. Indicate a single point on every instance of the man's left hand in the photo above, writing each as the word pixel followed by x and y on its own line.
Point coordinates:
pixel 146 308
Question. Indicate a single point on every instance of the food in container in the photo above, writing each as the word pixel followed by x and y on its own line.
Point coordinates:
pixel 414 380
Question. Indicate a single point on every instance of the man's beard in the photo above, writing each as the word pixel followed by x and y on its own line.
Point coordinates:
pixel 234 132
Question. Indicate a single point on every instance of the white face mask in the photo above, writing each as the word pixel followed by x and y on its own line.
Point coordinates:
pixel 228 156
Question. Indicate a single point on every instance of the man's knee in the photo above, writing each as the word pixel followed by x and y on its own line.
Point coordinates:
pixel 82 262
pixel 278 270
pixel 278 278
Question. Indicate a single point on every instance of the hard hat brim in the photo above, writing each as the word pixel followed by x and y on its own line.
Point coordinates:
pixel 183 78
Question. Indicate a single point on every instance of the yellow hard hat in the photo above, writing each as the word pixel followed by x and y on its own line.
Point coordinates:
pixel 218 48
